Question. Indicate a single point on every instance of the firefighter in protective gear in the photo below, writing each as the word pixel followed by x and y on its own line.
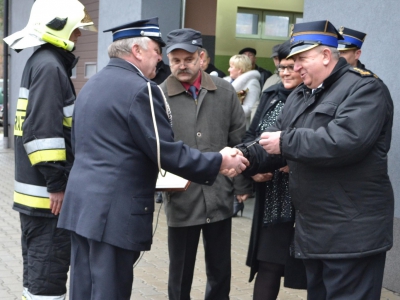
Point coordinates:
pixel 43 152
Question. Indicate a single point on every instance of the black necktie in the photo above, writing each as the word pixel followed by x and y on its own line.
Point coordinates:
pixel 192 90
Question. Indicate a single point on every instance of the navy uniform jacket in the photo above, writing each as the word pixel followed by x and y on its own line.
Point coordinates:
pixel 110 193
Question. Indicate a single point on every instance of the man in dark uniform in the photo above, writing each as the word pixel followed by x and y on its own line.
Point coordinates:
pixel 337 159
pixel 109 201
pixel 251 53
pixel 350 46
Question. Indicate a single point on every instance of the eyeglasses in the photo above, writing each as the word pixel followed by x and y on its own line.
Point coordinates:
pixel 289 68
pixel 185 63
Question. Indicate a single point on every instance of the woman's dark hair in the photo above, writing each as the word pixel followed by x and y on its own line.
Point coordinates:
pixel 284 50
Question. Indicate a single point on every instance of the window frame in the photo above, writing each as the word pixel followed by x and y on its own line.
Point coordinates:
pixel 261 23
pixel 85 73
pixel 254 12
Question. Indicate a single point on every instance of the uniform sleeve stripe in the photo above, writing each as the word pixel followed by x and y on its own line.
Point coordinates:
pixel 31 201
pixel 23 93
pixel 30 189
pixel 22 104
pixel 44 144
pixel 47 155
pixel 68 110
pixel 18 132
pixel 67 122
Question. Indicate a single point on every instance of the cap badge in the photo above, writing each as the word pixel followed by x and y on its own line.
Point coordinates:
pixel 341 30
pixel 194 42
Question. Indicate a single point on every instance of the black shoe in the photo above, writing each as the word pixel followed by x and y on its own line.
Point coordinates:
pixel 159 198
pixel 238 206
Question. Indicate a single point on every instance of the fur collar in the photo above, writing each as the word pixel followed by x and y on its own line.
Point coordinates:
pixel 242 81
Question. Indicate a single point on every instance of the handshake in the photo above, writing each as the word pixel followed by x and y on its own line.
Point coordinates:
pixel 233 162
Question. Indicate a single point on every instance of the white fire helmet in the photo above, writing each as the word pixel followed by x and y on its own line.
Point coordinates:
pixel 51 21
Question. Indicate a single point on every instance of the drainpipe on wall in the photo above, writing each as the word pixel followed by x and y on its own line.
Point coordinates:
pixel 183 13
pixel 5 78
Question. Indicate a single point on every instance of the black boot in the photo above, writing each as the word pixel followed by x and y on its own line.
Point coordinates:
pixel 237 206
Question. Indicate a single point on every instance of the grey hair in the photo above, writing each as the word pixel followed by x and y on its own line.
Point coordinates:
pixel 123 47
pixel 204 50
pixel 334 51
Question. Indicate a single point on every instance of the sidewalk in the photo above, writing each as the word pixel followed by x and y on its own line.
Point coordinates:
pixel 151 273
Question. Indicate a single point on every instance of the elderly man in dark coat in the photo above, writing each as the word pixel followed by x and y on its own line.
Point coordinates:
pixel 335 132
pixel 109 201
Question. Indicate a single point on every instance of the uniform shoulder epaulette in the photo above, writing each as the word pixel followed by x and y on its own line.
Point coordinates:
pixel 363 73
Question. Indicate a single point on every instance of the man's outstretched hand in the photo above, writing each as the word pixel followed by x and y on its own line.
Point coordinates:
pixel 233 162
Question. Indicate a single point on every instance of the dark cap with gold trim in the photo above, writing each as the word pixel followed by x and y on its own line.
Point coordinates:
pixel 142 28
pixel 353 39
pixel 306 36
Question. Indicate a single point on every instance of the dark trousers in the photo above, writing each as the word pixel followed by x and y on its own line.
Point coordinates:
pixel 182 248
pixel 46 253
pixel 344 279
pixel 100 270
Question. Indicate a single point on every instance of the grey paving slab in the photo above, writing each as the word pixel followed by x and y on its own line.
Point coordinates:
pixel 151 273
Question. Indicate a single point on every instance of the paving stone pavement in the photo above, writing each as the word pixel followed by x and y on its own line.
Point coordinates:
pixel 151 273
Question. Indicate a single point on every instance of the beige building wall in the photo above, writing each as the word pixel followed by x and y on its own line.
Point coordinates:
pixel 227 44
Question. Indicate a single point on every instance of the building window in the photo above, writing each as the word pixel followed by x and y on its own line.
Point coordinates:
pixel 263 24
pixel 90 69
pixel 73 73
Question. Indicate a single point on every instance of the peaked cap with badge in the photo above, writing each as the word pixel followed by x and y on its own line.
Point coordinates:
pixel 142 28
pixel 353 39
pixel 186 38
pixel 306 36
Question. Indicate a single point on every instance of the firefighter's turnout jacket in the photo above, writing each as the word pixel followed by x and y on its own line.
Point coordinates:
pixel 43 153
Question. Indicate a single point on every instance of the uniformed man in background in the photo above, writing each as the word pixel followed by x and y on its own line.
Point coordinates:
pixel 350 46
pixel 43 155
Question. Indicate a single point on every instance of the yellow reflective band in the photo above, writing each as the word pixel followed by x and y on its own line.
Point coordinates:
pixel 18 132
pixel 67 122
pixel 31 201
pixel 22 104
pixel 47 155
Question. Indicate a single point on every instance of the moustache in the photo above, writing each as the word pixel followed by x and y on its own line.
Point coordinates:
pixel 186 71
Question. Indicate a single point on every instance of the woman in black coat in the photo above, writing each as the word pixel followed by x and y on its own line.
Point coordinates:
pixel 273 221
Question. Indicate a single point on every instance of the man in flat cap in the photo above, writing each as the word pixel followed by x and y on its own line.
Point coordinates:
pixel 337 158
pixel 109 201
pixel 207 116
pixel 251 53
pixel 43 154
pixel 350 46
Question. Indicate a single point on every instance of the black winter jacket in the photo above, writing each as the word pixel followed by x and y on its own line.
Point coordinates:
pixel 43 153
pixel 336 142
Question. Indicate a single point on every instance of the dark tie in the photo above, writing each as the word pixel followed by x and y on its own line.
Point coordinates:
pixel 192 90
